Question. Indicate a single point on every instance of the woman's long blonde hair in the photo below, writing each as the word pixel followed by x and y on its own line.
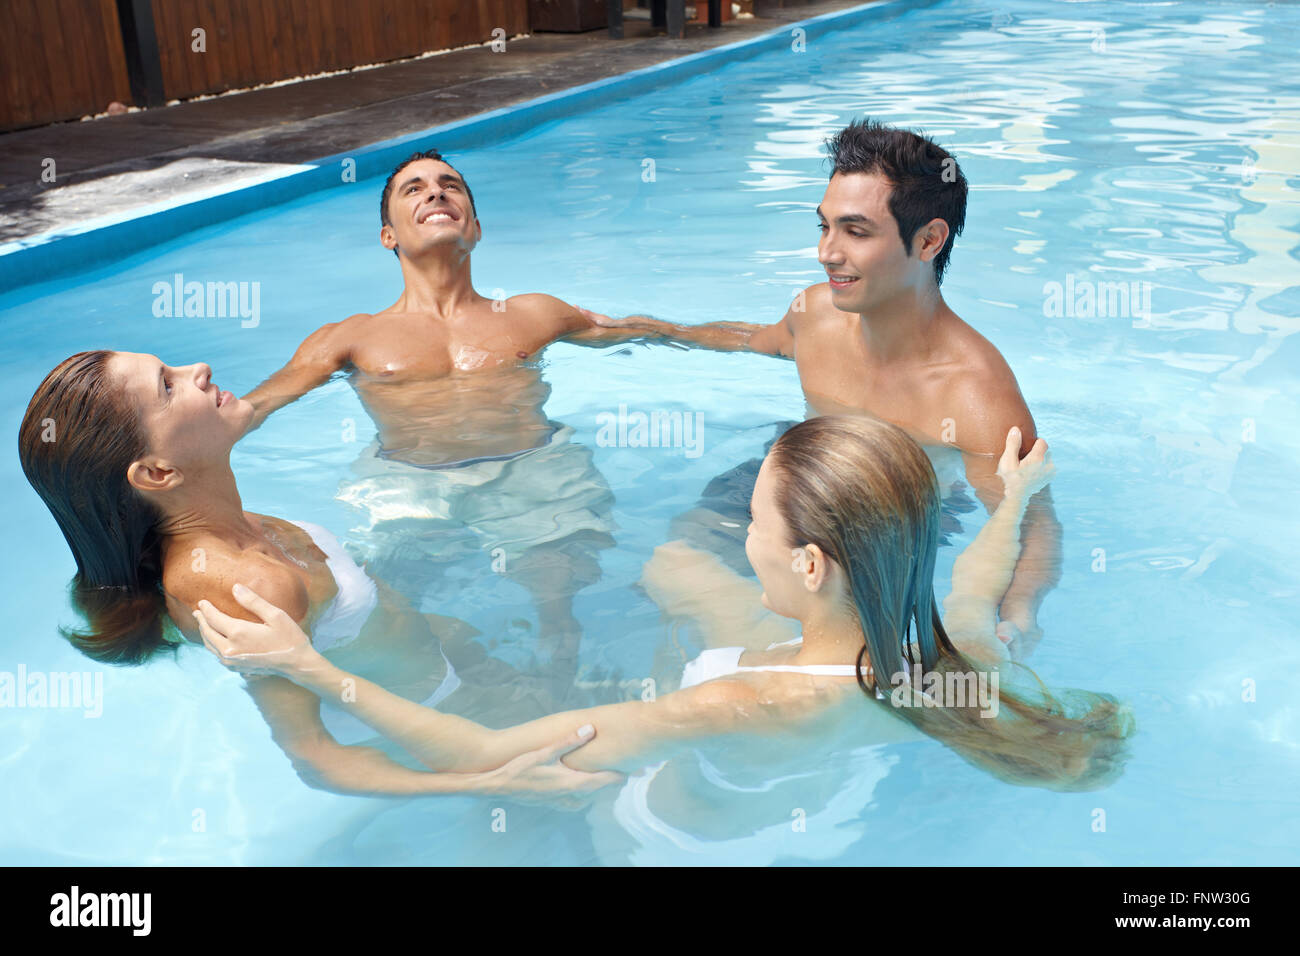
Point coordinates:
pixel 866 494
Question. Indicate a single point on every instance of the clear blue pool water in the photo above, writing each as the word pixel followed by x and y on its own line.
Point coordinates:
pixel 1105 142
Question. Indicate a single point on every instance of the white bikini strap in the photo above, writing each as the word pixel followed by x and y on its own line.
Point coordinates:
pixel 827 670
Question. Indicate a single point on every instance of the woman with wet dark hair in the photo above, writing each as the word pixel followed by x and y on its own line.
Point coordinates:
pixel 132 457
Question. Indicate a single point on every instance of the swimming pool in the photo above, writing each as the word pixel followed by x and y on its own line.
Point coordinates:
pixel 1105 143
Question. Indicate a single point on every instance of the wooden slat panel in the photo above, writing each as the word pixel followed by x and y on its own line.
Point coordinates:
pixel 336 36
pixel 387 36
pixel 167 52
pixel 207 71
pixel 17 72
pixel 239 56
pixel 326 33
pixel 187 72
pixel 107 31
pixel 74 69
pixel 60 59
pixel 298 56
pixel 363 23
pixel 95 60
pixel 26 31
pixel 276 19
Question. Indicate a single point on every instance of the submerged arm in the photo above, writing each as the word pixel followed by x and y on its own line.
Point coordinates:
pixel 293 714
pixel 982 573
pixel 628 734
pixel 986 405
pixel 1039 567
pixel 687 582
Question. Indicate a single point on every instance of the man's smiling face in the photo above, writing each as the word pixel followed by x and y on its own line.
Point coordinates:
pixel 865 260
pixel 429 206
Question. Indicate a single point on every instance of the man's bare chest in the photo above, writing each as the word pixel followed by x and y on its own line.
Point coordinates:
pixel 428 349
pixel 838 377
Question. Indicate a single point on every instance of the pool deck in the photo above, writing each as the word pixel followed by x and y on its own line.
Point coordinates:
pixel 113 164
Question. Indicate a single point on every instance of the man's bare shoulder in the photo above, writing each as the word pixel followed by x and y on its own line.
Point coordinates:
pixel 818 297
pixel 539 303
pixel 345 331
pixel 548 313
pixel 976 354
pixel 813 309
pixel 817 302
pixel 983 393
pixel 356 323
pixel 331 345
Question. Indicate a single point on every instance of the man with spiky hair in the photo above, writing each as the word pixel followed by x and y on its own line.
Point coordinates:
pixel 878 337
pixel 449 379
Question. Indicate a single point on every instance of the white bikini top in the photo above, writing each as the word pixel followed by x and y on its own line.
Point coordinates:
pixel 357 596
pixel 660 843
pixel 342 621
pixel 723 661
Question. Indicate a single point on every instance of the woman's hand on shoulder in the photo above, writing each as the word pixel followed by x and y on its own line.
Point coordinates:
pixel 1028 475
pixel 276 645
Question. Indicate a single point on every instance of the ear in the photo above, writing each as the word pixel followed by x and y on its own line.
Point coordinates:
pixel 387 237
pixel 153 474
pixel 930 239
pixel 814 567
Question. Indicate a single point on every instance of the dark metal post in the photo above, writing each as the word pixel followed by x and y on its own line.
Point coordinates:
pixel 676 18
pixel 140 44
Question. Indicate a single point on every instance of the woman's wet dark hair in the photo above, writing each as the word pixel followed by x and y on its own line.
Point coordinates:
pixel 77 440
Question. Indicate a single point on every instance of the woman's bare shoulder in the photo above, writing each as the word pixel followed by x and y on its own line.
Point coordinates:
pixel 206 569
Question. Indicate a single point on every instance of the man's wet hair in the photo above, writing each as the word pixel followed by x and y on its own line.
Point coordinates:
pixel 413 158
pixel 926 181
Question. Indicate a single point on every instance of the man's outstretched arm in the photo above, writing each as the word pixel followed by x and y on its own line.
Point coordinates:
pixel 776 339
pixel 321 354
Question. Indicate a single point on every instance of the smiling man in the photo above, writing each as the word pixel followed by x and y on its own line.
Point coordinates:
pixel 405 359
pixel 878 337
pixel 449 378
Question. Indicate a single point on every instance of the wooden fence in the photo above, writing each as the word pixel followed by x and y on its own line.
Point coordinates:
pixel 61 59
pixel 259 41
